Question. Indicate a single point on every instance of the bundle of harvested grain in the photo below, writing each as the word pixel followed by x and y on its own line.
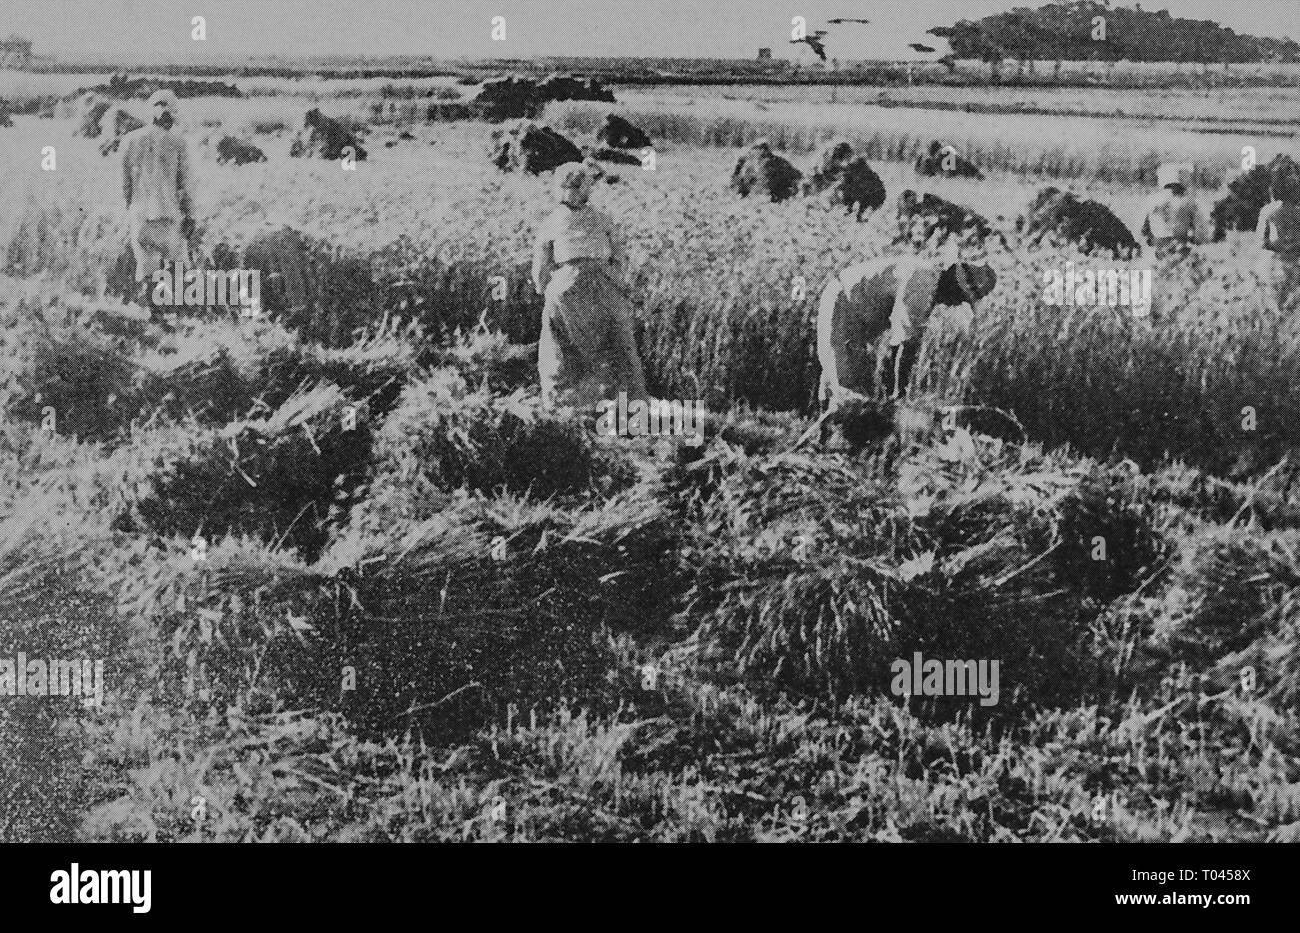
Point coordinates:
pixel 532 148
pixel 324 293
pixel 488 358
pixel 91 109
pixel 1235 588
pixel 372 371
pixel 194 378
pixel 224 614
pixel 216 371
pixel 230 149
pixel 286 260
pixel 67 378
pixel 617 156
pixel 458 437
pixel 921 219
pixel 1065 218
pixel 1247 194
pixel 489 602
pixel 618 133
pixel 762 171
pixel 323 137
pixel 849 179
pixel 513 97
pixel 824 594
pixel 281 478
pixel 447 112
pixel 941 159
pixel 1109 543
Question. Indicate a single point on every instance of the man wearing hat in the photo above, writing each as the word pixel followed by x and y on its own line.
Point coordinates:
pixel 1173 219
pixel 158 186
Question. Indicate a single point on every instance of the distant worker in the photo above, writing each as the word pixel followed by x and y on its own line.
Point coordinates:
pixel 1279 235
pixel 891 296
pixel 587 350
pixel 1174 219
pixel 159 190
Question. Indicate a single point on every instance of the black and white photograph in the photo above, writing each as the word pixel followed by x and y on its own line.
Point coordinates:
pixel 651 421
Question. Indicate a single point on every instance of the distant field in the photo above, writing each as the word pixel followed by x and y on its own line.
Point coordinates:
pixel 923 70
pixel 319 88
pixel 1125 151
pixel 1273 106
pixel 19 85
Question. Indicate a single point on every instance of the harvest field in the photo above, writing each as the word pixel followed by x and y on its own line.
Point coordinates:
pixel 351 583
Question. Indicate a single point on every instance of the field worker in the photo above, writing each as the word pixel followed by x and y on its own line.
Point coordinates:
pixel 1173 219
pixel 158 186
pixel 587 350
pixel 893 297
pixel 1279 234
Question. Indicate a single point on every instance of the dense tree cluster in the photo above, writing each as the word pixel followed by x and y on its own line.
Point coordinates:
pixel 1066 31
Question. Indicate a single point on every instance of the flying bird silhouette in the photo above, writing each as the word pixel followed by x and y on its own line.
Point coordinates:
pixel 814 42
pixel 844 19
pixel 916 46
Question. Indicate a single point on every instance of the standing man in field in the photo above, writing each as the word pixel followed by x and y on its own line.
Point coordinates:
pixel 1279 235
pixel 158 186
pixel 1174 221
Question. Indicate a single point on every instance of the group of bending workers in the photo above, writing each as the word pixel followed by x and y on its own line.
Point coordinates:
pixel 588 350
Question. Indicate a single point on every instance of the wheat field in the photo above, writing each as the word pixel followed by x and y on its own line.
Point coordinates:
pixel 498 580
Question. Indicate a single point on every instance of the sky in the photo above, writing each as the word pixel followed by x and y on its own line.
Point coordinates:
pixel 160 30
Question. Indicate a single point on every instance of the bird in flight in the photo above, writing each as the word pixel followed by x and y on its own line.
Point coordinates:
pixel 814 42
pixel 916 46
pixel 843 19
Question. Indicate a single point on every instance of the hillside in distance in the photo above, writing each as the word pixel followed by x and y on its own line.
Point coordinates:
pixel 1064 31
